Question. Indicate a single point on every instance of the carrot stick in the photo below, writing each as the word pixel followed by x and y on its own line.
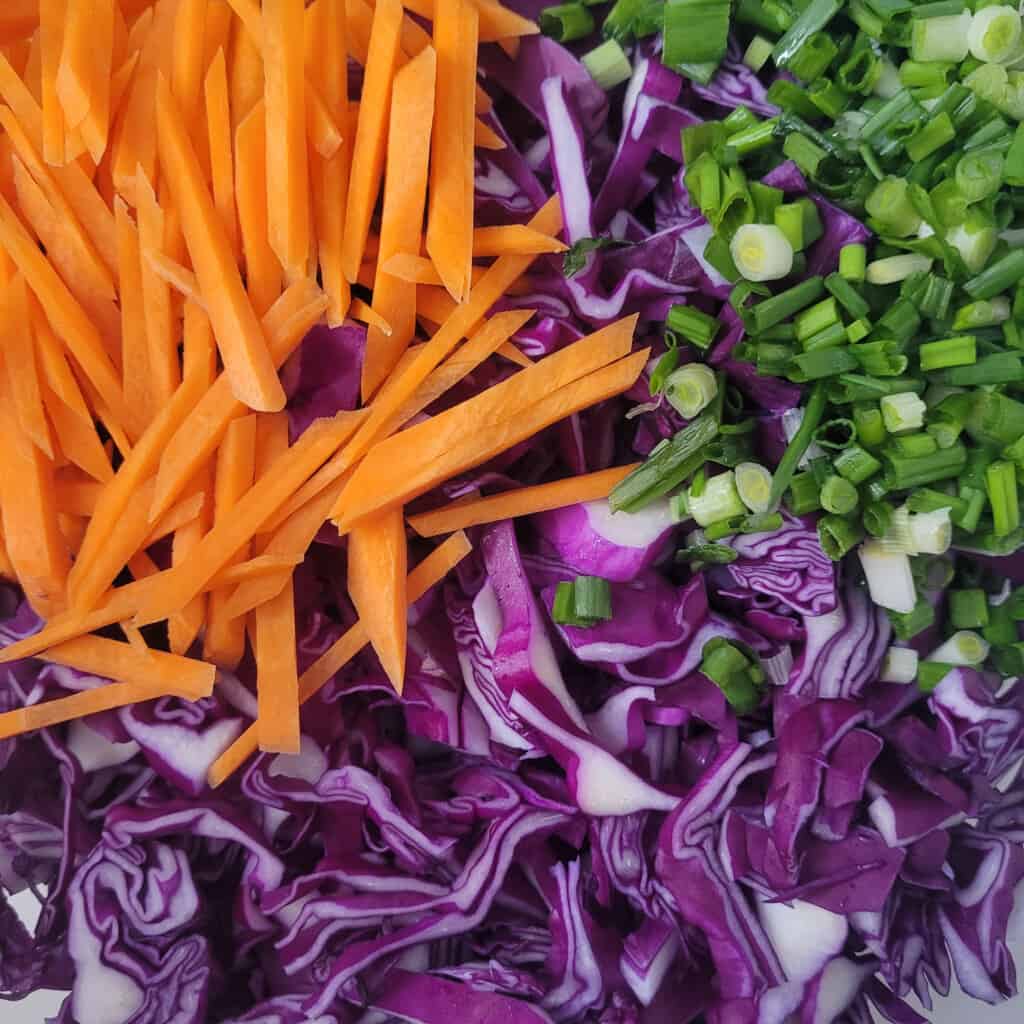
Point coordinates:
pixel 99 561
pixel 77 439
pixel 271 441
pixel 54 364
pixel 365 313
pixel 22 370
pixel 371 132
pixel 217 548
pixel 277 674
pixel 327 66
pixel 187 67
pixel 185 512
pixel 286 324
pixel 83 77
pixel 285 103
pixel 218 126
pixel 407 267
pixel 119 83
pixel 67 317
pixel 18 19
pixel 376 584
pixel 427 574
pixel 36 547
pixel 525 501
pixel 485 137
pixel 262 269
pixel 224 643
pixel 514 240
pixel 246 73
pixel 219 20
pixel 395 482
pixel 134 340
pixel 496 22
pixel 51 25
pixel 161 339
pixel 6 569
pixel 450 223
pixel 172 273
pixel 76 493
pixel 253 569
pixel 236 327
pixel 405 192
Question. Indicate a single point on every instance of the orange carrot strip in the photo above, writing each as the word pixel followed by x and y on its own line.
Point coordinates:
pixel 51 24
pixel 219 20
pixel 236 327
pixel 18 19
pixel 450 223
pixel 36 547
pixel 376 584
pixel 95 568
pixel 119 83
pixel 224 642
pixel 161 333
pixel 135 639
pixel 218 126
pixel 67 317
pixel 277 674
pixel 511 353
pixel 364 313
pixel 253 569
pixel 327 66
pixel 83 77
pixel 407 267
pixel 405 192
pixel 187 67
pixel 199 353
pixel 286 324
pixel 134 341
pixel 371 132
pixel 185 512
pixel 22 370
pixel 484 103
pixel 485 137
pixel 72 529
pixel 357 502
pixel 435 304
pixel 55 365
pixel 77 439
pixel 271 441
pixel 525 501
pixel 76 494
pixel 287 164
pixel 217 548
pixel 262 270
pixel 427 574
pixel 246 73
pixel 172 273
pixel 6 569
pixel 513 240
pixel 496 22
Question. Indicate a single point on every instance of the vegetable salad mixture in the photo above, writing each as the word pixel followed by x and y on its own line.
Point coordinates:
pixel 511 512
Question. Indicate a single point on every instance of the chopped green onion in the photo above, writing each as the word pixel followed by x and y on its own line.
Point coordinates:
pixel 707 554
pixel 666 467
pixel 733 672
pixel 998 368
pixel 890 208
pixel 881 358
pixel 940 38
pixel 905 471
pixel 807 155
pixel 979 175
pixel 984 313
pixel 959 351
pixel 789 219
pixel 1013 171
pixel 797 447
pixel 963 648
pixel 1000 627
pixel 899 666
pixel 820 363
pixel 757 53
pixel 853 262
pixel 854 387
pixel 566 22
pixel 877 518
pixel 786 304
pixel 695 32
pixel 974 240
pixel 753 139
pixel 889 577
pixel 815 318
pixel 838 536
pixel 870 423
pixel 695 326
pixel 994 418
pixel 995 34
pixel 812 19
pixel 766 201
pixel 915 444
pixel 608 64
pixel 1001 485
pixel 1001 276
pixel 907 626
pixel 719 500
pixel 761 252
pixel 968 609
pixel 754 486
pixel 946 421
pixel 804 494
pixel 931 673
pixel 592 598
pixel 903 412
pixel 856 465
pixel 893 269
pixel 813 58
pixel 931 533
pixel 847 296
pixel 828 97
pixel 839 496
pixel 716 252
pixel 663 370
pixel 691 389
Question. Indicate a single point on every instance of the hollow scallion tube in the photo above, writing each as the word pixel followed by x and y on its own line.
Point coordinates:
pixel 691 389
pixel 995 34
pixel 608 64
pixel 959 351
pixel 761 252
pixel 797 447
pixel 754 486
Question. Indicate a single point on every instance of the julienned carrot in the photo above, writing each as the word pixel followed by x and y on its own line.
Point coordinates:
pixel 68 318
pixel 403 386
pixel 218 128
pixel 99 560
pixel 514 355
pixel 287 162
pixel 366 314
pixel 371 132
pixel 77 439
pixel 186 511
pixel 216 549
pixel 254 569
pixel 52 15
pixel 219 21
pixel 524 501
pixel 388 479
pixel 450 222
pixel 485 137
pixel 35 544
pixel 414 269
pixel 161 333
pixel 429 572
pixel 376 584
pixel 224 643
pixel 134 341
pixel 236 327
pixel 19 358
pixel 246 83
pixel 173 274
pixel 76 493
pixel 262 269
pixel 496 22
pixel 271 441
pixel 277 674
pixel 17 20
pixel 86 63
pixel 514 239
pixel 187 68
pixel 327 62
pixel 405 193
pixel 54 363
pixel 286 324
